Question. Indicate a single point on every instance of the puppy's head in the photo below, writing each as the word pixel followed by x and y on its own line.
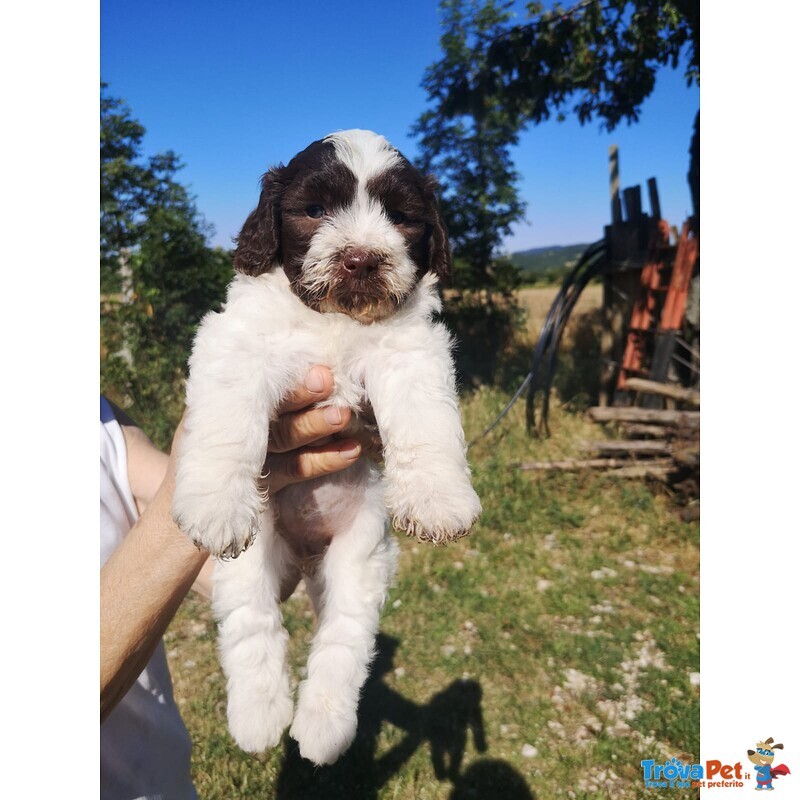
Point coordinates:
pixel 353 224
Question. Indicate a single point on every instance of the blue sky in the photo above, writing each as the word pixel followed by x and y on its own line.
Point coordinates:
pixel 236 87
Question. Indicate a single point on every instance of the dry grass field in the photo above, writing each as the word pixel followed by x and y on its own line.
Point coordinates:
pixel 544 656
pixel 537 301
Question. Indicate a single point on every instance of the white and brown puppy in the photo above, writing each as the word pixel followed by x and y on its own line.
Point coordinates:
pixel 337 265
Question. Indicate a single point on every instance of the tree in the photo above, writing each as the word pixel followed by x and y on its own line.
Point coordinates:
pixel 469 150
pixel 158 276
pixel 599 56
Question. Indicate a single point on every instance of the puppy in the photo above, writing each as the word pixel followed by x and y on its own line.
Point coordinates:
pixel 337 265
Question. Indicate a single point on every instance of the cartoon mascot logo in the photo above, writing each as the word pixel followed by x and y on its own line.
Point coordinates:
pixel 762 757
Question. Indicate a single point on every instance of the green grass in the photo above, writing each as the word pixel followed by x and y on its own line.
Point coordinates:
pixel 567 621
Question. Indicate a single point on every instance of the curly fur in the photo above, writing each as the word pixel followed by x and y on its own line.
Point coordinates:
pixel 354 288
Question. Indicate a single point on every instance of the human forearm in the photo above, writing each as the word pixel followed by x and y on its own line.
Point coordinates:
pixel 145 579
pixel 155 564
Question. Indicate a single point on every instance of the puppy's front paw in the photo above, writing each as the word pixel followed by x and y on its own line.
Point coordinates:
pixel 436 514
pixel 222 522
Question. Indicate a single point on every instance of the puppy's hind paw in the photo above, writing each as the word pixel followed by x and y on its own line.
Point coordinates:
pixel 257 723
pixel 323 730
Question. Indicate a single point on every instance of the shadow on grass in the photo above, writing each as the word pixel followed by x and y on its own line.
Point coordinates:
pixel 445 722
pixel 490 778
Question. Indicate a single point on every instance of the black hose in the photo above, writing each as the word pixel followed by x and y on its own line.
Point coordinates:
pixel 595 268
pixel 559 312
pixel 547 338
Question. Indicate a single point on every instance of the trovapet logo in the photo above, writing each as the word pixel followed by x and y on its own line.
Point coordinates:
pixel 675 774
pixel 682 773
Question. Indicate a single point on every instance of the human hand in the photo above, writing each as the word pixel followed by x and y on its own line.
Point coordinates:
pixel 303 441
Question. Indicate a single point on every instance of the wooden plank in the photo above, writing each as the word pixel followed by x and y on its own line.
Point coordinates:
pixel 620 290
pixel 632 197
pixel 643 315
pixel 640 429
pixel 634 447
pixel 663 351
pixel 574 464
pixel 675 303
pixel 613 177
pixel 655 204
pixel 689 419
pixel 642 471
pixel 664 390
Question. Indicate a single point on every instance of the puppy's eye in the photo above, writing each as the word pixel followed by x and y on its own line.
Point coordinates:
pixel 396 217
pixel 315 212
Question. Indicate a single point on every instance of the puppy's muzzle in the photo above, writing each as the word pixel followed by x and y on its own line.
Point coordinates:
pixel 359 264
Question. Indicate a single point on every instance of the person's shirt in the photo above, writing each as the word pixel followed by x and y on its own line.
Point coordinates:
pixel 145 748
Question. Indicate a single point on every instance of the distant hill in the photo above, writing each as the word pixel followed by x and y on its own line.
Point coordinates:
pixel 543 260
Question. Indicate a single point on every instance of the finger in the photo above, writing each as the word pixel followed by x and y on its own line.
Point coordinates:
pixel 313 462
pixel 303 428
pixel 318 385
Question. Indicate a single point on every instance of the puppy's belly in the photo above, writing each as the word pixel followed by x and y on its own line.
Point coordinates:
pixel 309 514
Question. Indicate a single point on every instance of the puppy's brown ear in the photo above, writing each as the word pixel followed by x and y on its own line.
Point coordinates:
pixel 258 245
pixel 440 260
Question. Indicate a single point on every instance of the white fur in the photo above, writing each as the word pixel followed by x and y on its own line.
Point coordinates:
pixel 245 360
pixel 366 153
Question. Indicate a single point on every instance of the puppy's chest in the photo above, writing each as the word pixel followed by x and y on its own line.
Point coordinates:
pixel 348 387
pixel 346 359
pixel 349 392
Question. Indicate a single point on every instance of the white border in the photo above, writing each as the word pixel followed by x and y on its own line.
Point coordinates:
pixel 49 59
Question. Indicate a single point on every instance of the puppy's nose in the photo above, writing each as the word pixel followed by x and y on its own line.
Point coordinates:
pixel 360 263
